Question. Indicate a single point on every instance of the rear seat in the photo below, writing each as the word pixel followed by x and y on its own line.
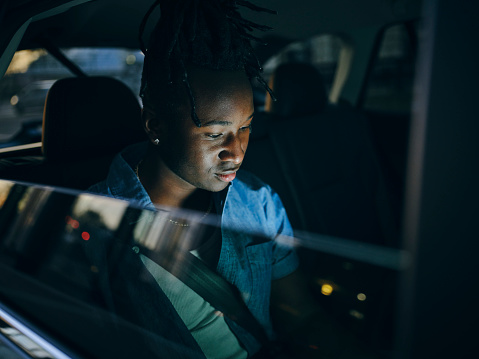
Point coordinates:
pixel 317 156
pixel 85 123
pixel 320 159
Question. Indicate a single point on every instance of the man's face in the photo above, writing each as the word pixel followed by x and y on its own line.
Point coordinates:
pixel 208 157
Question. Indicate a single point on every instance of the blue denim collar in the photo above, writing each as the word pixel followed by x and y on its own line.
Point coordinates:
pixel 124 183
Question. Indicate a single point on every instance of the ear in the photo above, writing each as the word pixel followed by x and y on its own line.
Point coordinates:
pixel 151 124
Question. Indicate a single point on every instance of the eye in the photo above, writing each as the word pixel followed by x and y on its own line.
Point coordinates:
pixel 213 135
pixel 249 127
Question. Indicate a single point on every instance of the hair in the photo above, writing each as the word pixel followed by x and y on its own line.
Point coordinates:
pixel 207 34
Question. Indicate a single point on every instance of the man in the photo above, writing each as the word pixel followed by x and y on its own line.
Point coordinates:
pixel 198 113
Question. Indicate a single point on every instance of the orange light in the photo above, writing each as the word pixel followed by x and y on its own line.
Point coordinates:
pixel 326 289
pixel 85 236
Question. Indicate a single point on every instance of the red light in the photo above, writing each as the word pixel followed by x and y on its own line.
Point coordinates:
pixel 85 236
pixel 72 222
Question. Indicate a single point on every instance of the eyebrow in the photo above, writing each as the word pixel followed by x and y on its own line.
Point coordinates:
pixel 221 122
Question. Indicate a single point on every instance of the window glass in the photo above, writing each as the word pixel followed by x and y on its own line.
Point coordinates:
pixel 31 73
pixel 321 51
pixel 390 83
pixel 6 350
pixel 74 255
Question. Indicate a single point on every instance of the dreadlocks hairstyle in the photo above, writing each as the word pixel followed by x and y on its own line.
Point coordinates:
pixel 203 33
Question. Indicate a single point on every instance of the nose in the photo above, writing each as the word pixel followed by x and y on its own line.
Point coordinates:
pixel 234 149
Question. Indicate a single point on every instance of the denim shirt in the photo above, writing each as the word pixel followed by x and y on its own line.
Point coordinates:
pixel 247 206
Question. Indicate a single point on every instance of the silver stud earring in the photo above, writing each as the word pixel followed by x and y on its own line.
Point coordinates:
pixel 156 141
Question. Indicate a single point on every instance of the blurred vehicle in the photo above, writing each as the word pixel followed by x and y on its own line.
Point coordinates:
pixel 32 97
pixel 375 161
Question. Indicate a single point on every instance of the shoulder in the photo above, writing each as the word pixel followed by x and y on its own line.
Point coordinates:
pixel 100 188
pixel 251 184
pixel 249 197
pixel 254 191
pixel 121 181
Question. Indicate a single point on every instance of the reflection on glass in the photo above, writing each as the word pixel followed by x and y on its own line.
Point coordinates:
pixel 84 248
pixel 108 211
pixel 25 343
pixel 5 188
pixel 26 214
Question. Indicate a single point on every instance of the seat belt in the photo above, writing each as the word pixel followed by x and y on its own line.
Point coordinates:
pixel 212 288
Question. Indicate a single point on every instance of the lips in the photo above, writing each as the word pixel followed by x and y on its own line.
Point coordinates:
pixel 226 177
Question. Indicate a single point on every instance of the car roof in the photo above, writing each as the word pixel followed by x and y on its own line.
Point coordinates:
pixel 29 24
pixel 116 22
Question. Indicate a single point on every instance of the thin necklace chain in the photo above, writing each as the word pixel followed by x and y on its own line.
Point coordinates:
pixel 208 211
pixel 177 223
pixel 136 170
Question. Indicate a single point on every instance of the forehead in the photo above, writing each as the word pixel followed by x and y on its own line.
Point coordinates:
pixel 217 94
pixel 220 92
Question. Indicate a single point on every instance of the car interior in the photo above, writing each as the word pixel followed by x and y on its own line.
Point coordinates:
pixel 341 145
pixel 86 121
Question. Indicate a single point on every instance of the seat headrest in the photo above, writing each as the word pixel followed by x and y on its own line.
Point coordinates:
pixel 299 89
pixel 89 117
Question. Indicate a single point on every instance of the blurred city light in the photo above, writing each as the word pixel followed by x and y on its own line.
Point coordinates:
pixel 130 59
pixel 361 297
pixel 14 100
pixel 23 59
pixel 354 313
pixel 326 289
pixel 72 222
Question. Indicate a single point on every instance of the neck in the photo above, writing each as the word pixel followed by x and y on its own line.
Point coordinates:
pixel 165 188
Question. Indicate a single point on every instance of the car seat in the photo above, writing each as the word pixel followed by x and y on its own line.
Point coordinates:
pixel 323 163
pixel 86 121
pixel 320 159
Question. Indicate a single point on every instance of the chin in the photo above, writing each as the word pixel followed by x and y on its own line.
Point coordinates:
pixel 214 187
pixel 217 188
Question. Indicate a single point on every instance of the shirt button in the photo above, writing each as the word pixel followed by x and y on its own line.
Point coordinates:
pixel 136 249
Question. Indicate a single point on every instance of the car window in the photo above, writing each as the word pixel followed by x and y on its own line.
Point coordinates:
pixel 321 51
pixel 390 83
pixel 388 99
pixel 31 73
pixel 70 250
